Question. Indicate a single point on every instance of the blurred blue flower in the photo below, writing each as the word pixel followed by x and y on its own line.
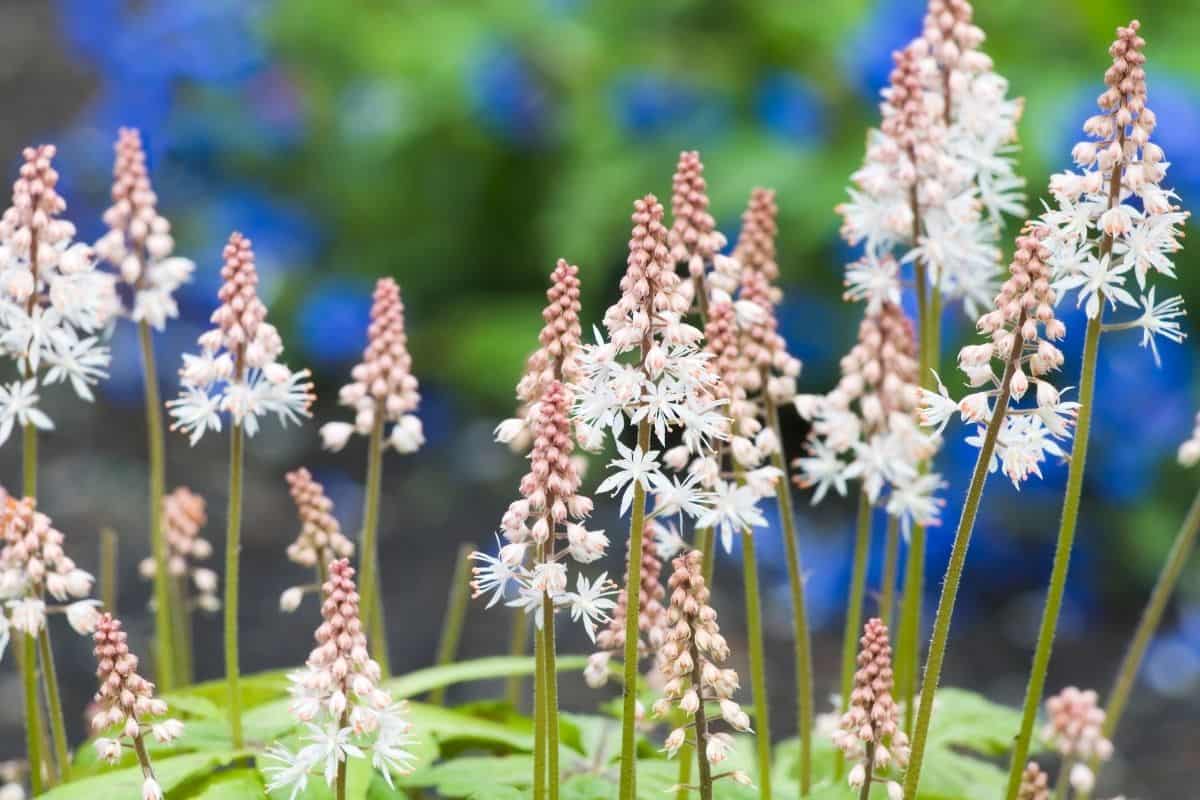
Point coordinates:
pixel 791 108
pixel 508 96
pixel 867 54
pixel 332 320
pixel 1172 665
pixel 649 105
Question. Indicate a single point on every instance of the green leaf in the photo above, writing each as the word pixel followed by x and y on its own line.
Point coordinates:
pixel 484 778
pixel 235 784
pixel 480 669
pixel 127 781
pixel 193 706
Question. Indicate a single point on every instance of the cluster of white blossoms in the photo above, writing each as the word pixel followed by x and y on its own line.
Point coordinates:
pixel 34 564
pixel 337 698
pixel 867 428
pixel 1022 329
pixel 237 371
pixel 139 242
pixel 54 303
pixel 382 387
pixel 938 177
pixel 1114 220
pixel 550 512
pixel 668 386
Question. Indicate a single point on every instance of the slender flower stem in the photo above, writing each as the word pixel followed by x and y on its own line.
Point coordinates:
pixel 684 780
pixel 456 615
pixel 854 605
pixel 108 569
pixel 706 781
pixel 33 712
pixel 518 645
pixel 551 700
pixel 802 639
pixel 891 554
pixel 908 653
pixel 164 665
pixel 1062 558
pixel 637 524
pixel 954 570
pixel 869 765
pixel 758 665
pixel 340 785
pixel 372 608
pixel 1181 550
pixel 58 726
pixel 539 716
pixel 181 630
pixel 233 547
pixel 29 460
pixel 704 543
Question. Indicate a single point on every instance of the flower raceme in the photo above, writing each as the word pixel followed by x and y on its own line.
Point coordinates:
pixel 320 539
pixel 1022 318
pixel 866 428
pixel 690 663
pixel 555 358
pixel 938 177
pixel 237 371
pixel 1114 227
pixel 139 242
pixel 869 732
pixel 1074 723
pixel 54 304
pixel 550 512
pixel 33 564
pixel 125 704
pixel 382 387
pixel 338 699
pixel 184 516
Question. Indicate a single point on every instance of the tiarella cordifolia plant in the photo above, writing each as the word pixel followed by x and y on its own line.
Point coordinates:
pixel 870 734
pixel 54 304
pixel 382 390
pixel 238 373
pixel 1021 328
pixel 651 374
pixel 1113 219
pixel 693 238
pixel 320 539
pixel 191 585
pixel 338 699
pixel 1074 728
pixel 139 247
pixel 691 664
pixel 33 565
pixel 126 708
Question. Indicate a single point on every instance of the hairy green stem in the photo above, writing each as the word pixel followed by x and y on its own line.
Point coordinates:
pixel 706 780
pixel 29 460
pixel 758 665
pixel 684 779
pixel 637 524
pixel 539 715
pixel 164 663
pixel 1062 558
pixel 551 699
pixel 233 552
pixel 456 615
pixel 891 554
pixel 908 651
pixel 706 544
pixel 801 637
pixel 954 570
pixel 518 645
pixel 854 605
pixel 58 725
pixel 108 569
pixel 33 712
pixel 368 558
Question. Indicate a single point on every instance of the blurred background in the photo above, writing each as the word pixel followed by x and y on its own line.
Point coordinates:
pixel 461 147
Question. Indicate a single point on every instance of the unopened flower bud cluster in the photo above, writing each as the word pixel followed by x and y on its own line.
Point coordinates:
pixel 184 516
pixel 320 539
